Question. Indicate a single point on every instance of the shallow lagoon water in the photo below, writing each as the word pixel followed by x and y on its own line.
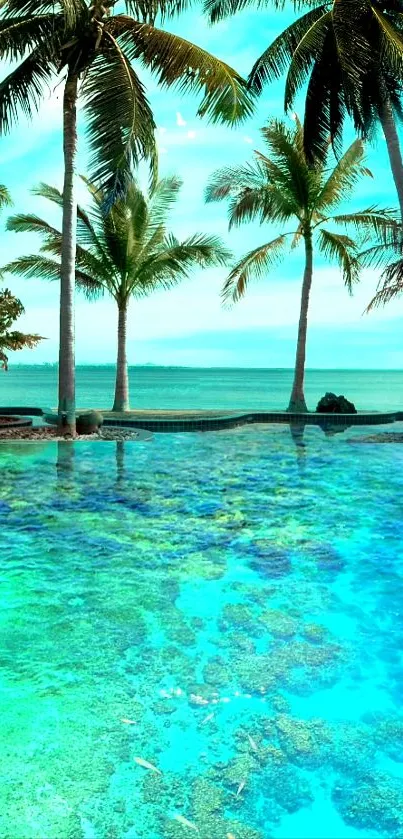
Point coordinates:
pixel 236 596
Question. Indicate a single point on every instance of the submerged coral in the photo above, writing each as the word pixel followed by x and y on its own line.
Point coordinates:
pixel 376 804
pixel 193 610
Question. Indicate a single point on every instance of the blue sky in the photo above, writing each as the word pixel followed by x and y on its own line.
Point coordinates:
pixel 188 325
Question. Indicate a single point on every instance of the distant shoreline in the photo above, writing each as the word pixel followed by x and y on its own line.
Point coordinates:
pixel 111 366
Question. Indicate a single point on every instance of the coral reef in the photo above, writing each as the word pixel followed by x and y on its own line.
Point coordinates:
pixel 223 619
pixel 376 804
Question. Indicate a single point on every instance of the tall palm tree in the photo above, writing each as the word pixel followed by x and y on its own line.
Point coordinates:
pixel 284 187
pixel 126 252
pixel 94 50
pixel 351 54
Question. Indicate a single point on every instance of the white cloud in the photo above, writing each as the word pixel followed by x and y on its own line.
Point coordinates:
pixel 248 140
pixel 191 135
pixel 179 119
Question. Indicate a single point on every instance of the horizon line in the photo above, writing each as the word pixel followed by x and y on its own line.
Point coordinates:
pixel 148 365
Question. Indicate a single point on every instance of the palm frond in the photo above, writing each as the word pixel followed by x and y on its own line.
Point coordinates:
pixel 254 265
pixel 5 197
pixel 120 123
pixel 389 287
pixel 30 223
pixel 69 10
pixel 174 261
pixel 163 197
pixel 248 205
pixel 149 10
pixel 23 89
pixel 179 63
pixel 344 251
pixel 35 267
pixel 307 51
pixel 217 10
pixel 87 235
pixel 38 267
pixel 232 179
pixel 352 26
pixel 325 104
pixel 276 58
pixel 17 33
pixel 287 166
pixel 383 225
pixel 344 177
pixel 51 193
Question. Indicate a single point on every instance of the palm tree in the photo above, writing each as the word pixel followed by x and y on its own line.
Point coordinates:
pixel 125 251
pixel 94 50
pixel 351 54
pixel 285 187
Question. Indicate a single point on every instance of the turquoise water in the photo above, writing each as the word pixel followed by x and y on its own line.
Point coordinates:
pixel 227 607
pixel 209 389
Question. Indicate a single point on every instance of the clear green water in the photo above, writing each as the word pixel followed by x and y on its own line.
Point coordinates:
pixel 263 578
pixel 180 388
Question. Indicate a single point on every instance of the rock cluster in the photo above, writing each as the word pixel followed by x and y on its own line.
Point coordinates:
pixel 332 404
pixel 47 432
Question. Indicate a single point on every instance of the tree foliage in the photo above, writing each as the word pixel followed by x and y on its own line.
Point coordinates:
pixel 10 310
pixel 282 186
pixel 346 54
pixel 107 50
pixel 126 251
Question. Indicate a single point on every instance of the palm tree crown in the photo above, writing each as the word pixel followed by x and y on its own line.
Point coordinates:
pixel 349 55
pixel 86 40
pixel 126 252
pixel 284 187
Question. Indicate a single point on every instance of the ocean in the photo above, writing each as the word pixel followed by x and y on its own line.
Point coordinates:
pixel 202 388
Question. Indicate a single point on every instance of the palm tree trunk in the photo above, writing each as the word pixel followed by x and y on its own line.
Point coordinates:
pixel 297 400
pixel 393 146
pixel 121 402
pixel 67 406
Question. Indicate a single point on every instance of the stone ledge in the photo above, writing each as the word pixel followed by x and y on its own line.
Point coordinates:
pixel 181 421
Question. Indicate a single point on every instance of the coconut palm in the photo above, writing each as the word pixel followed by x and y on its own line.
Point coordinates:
pixel 126 252
pixel 284 187
pixel 93 50
pixel 351 54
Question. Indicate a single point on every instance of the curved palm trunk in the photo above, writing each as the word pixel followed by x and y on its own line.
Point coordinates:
pixel 297 399
pixel 67 407
pixel 121 402
pixel 394 151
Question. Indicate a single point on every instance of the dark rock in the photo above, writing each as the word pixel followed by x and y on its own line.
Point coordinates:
pixel 332 404
pixel 89 422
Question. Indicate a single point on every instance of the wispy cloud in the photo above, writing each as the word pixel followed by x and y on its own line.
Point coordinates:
pixel 179 119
